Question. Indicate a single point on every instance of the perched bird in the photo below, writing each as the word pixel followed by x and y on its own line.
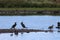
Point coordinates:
pixel 58 25
pixel 14 25
pixel 50 27
pixel 23 25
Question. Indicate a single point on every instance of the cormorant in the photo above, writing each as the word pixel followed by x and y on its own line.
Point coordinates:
pixel 58 25
pixel 14 25
pixel 23 25
pixel 50 27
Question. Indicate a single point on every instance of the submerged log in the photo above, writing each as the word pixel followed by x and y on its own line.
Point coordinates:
pixel 22 30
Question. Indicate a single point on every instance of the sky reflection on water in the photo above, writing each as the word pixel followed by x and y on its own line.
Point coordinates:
pixel 33 22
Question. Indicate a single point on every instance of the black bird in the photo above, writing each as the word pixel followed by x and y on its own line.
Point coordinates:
pixel 23 25
pixel 14 25
pixel 58 25
pixel 50 27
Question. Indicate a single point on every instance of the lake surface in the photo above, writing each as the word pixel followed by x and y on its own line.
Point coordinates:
pixel 31 22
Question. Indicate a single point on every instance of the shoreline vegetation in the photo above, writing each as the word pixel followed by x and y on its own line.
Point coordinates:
pixel 29 4
pixel 29 7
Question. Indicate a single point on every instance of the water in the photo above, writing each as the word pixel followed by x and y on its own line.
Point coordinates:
pixel 32 22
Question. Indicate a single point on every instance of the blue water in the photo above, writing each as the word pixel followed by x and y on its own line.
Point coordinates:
pixel 31 22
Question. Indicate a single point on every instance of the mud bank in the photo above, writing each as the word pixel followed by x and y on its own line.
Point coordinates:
pixel 29 12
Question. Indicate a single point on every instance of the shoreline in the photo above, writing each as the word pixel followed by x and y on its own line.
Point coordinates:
pixel 28 12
